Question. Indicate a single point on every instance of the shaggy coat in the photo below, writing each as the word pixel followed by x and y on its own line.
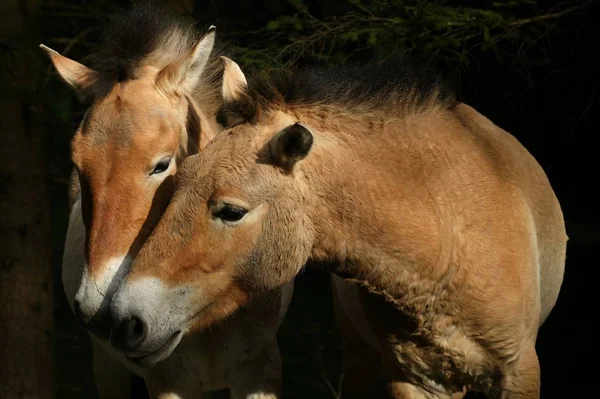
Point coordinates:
pixel 446 240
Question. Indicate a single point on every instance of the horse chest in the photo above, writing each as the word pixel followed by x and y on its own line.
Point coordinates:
pixel 197 365
pixel 439 359
pixel 430 350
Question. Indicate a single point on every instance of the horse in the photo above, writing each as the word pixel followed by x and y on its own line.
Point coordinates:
pixel 153 88
pixel 444 237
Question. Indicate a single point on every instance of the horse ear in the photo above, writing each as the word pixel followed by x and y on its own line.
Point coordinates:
pixel 184 73
pixel 291 145
pixel 234 81
pixel 78 76
pixel 199 134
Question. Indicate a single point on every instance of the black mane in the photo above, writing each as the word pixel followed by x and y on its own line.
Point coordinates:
pixel 394 84
pixel 132 36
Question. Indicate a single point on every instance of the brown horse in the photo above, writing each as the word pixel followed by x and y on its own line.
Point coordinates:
pixel 154 87
pixel 444 232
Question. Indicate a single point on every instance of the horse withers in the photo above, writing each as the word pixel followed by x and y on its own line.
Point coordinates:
pixel 154 87
pixel 447 240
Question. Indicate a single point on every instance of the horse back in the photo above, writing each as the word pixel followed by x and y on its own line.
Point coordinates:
pixel 516 166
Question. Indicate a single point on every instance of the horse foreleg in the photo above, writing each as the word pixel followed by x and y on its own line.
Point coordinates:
pixel 404 390
pixel 260 376
pixel 113 379
pixel 523 379
pixel 362 368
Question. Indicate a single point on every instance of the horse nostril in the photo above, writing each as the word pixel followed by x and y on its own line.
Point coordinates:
pixel 130 334
pixel 136 331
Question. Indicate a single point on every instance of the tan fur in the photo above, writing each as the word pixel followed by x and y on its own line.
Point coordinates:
pixel 114 150
pixel 234 80
pixel 176 47
pixel 445 227
pixel 228 354
pixel 78 76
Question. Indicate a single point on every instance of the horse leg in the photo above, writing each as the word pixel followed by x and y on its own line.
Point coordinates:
pixel 523 379
pixel 260 376
pixel 177 395
pixel 163 385
pixel 405 390
pixel 399 387
pixel 362 368
pixel 113 379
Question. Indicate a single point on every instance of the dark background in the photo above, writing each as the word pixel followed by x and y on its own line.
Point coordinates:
pixel 531 67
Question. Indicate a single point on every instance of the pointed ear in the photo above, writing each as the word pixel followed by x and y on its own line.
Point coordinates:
pixel 78 76
pixel 199 134
pixel 291 145
pixel 184 73
pixel 234 81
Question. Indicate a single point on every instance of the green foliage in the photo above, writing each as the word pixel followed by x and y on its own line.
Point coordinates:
pixel 434 30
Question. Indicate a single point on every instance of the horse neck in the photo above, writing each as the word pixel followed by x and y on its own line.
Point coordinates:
pixel 371 210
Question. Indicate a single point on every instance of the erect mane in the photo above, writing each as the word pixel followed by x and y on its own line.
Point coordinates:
pixel 145 35
pixel 395 85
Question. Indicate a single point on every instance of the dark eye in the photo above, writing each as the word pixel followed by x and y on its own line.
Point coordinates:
pixel 161 166
pixel 230 213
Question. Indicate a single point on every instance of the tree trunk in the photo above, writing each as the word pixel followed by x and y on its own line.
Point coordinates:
pixel 26 311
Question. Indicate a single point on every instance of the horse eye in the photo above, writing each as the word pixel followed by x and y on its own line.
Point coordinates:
pixel 230 213
pixel 161 166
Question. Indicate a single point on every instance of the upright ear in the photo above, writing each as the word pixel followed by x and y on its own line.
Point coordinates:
pixel 78 76
pixel 183 74
pixel 291 145
pixel 199 134
pixel 234 81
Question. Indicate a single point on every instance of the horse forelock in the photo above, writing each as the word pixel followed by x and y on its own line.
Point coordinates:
pixel 142 41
